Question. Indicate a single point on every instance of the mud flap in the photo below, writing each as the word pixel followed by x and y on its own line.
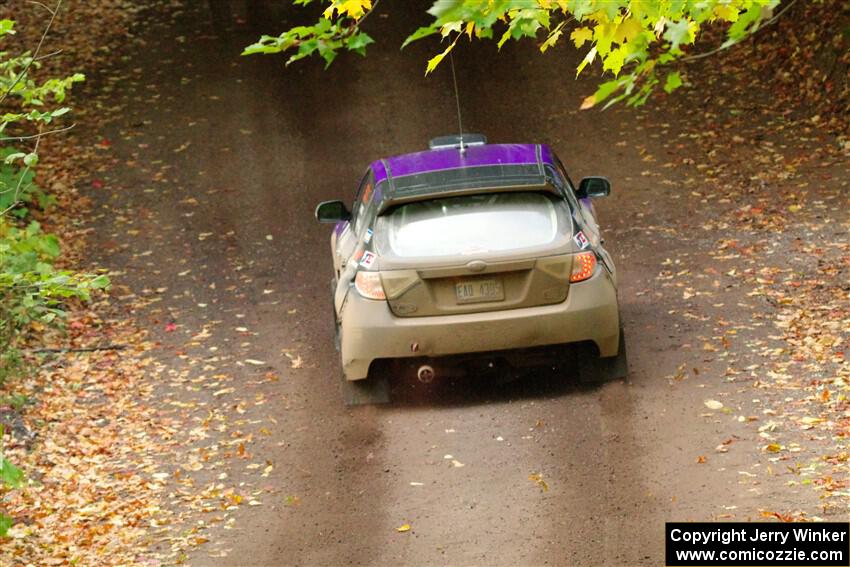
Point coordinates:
pixel 594 370
pixel 372 390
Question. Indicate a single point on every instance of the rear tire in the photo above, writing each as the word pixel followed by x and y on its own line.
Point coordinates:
pixel 369 391
pixel 601 370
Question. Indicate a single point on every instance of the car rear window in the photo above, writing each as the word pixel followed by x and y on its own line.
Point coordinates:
pixel 472 224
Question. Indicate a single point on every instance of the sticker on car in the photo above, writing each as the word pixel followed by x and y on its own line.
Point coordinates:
pixel 368 259
pixel 581 240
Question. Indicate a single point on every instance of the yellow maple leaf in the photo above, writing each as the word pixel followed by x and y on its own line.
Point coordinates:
pixel 591 55
pixel 552 39
pixel 354 9
pixel 435 60
pixel 627 30
pixel 614 61
pixel 580 35
pixel 727 13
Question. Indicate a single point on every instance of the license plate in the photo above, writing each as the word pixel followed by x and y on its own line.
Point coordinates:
pixel 475 291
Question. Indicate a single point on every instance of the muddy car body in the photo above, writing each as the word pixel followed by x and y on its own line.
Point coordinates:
pixel 473 249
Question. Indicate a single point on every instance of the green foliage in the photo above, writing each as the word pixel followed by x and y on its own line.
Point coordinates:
pixel 18 187
pixel 27 102
pixel 10 477
pixel 631 39
pixel 32 289
pixel 7 27
pixel 325 38
pixel 15 401
pixel 5 524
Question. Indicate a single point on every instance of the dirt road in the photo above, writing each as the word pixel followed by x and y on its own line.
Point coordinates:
pixel 208 215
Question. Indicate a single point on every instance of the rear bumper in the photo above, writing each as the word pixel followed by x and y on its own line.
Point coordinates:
pixel 370 331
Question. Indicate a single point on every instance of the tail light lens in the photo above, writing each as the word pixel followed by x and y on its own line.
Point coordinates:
pixel 368 284
pixel 584 264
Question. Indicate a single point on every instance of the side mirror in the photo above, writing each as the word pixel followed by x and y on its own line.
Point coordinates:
pixel 332 211
pixel 593 187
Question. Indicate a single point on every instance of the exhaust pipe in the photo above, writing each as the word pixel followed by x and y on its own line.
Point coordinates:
pixel 426 374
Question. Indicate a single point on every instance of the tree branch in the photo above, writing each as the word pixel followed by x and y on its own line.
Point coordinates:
pixel 79 349
pixel 39 135
pixel 724 47
pixel 48 55
pixel 43 5
pixel 26 69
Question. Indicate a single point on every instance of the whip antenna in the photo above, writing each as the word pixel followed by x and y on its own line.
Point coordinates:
pixel 457 100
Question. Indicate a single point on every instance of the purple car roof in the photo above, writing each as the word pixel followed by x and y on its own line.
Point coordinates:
pixel 452 158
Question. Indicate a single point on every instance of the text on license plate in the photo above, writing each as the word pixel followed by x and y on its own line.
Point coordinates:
pixel 473 291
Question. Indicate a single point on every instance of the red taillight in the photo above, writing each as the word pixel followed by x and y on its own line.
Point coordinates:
pixel 368 284
pixel 583 266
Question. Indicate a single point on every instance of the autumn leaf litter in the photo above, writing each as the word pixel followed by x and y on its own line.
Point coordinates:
pixel 764 168
pixel 118 472
pixel 118 469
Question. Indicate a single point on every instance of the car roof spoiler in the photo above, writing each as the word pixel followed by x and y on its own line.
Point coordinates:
pixel 457 141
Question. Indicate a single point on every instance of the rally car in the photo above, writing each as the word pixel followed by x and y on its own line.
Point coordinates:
pixel 470 252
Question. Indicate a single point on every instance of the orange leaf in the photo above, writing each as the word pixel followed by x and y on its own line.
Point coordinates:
pixel 588 102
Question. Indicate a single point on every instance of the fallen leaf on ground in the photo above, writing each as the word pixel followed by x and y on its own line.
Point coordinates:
pixel 537 478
